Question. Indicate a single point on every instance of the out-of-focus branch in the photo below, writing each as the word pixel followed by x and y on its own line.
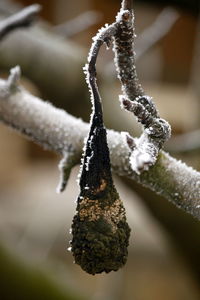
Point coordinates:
pixel 53 58
pixel 127 4
pixel 24 18
pixel 184 143
pixel 154 33
pixel 55 63
pixel 79 23
pixel 8 7
pixel 194 79
pixel 58 131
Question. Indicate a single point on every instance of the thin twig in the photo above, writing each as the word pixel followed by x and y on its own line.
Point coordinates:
pixel 24 18
pixel 104 36
pixel 65 166
pixel 156 130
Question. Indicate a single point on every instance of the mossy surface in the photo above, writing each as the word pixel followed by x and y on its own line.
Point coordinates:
pixel 100 232
pixel 97 247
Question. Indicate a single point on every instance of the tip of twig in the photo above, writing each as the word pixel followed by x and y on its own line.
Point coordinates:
pixel 34 8
pixel 29 13
pixel 65 167
pixel 14 77
pixel 127 4
pixel 129 140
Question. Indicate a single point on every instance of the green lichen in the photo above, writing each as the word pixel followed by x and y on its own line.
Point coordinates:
pixel 96 248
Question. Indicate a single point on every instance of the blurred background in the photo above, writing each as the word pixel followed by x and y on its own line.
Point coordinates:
pixel 164 249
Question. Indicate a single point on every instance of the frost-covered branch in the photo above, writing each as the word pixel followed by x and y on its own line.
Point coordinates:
pixel 24 18
pixel 156 130
pixel 35 124
pixel 58 131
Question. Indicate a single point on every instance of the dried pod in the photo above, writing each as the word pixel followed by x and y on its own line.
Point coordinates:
pixel 100 231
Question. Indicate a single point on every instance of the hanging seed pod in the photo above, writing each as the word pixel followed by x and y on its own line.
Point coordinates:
pixel 100 231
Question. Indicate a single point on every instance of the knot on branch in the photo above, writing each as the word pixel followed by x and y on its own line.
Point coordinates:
pixel 159 129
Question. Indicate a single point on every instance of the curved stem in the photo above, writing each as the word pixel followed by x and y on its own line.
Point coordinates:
pixel 104 36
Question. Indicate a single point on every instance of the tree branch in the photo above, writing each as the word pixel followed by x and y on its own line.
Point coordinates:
pixel 24 18
pixel 58 131
pixel 156 130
